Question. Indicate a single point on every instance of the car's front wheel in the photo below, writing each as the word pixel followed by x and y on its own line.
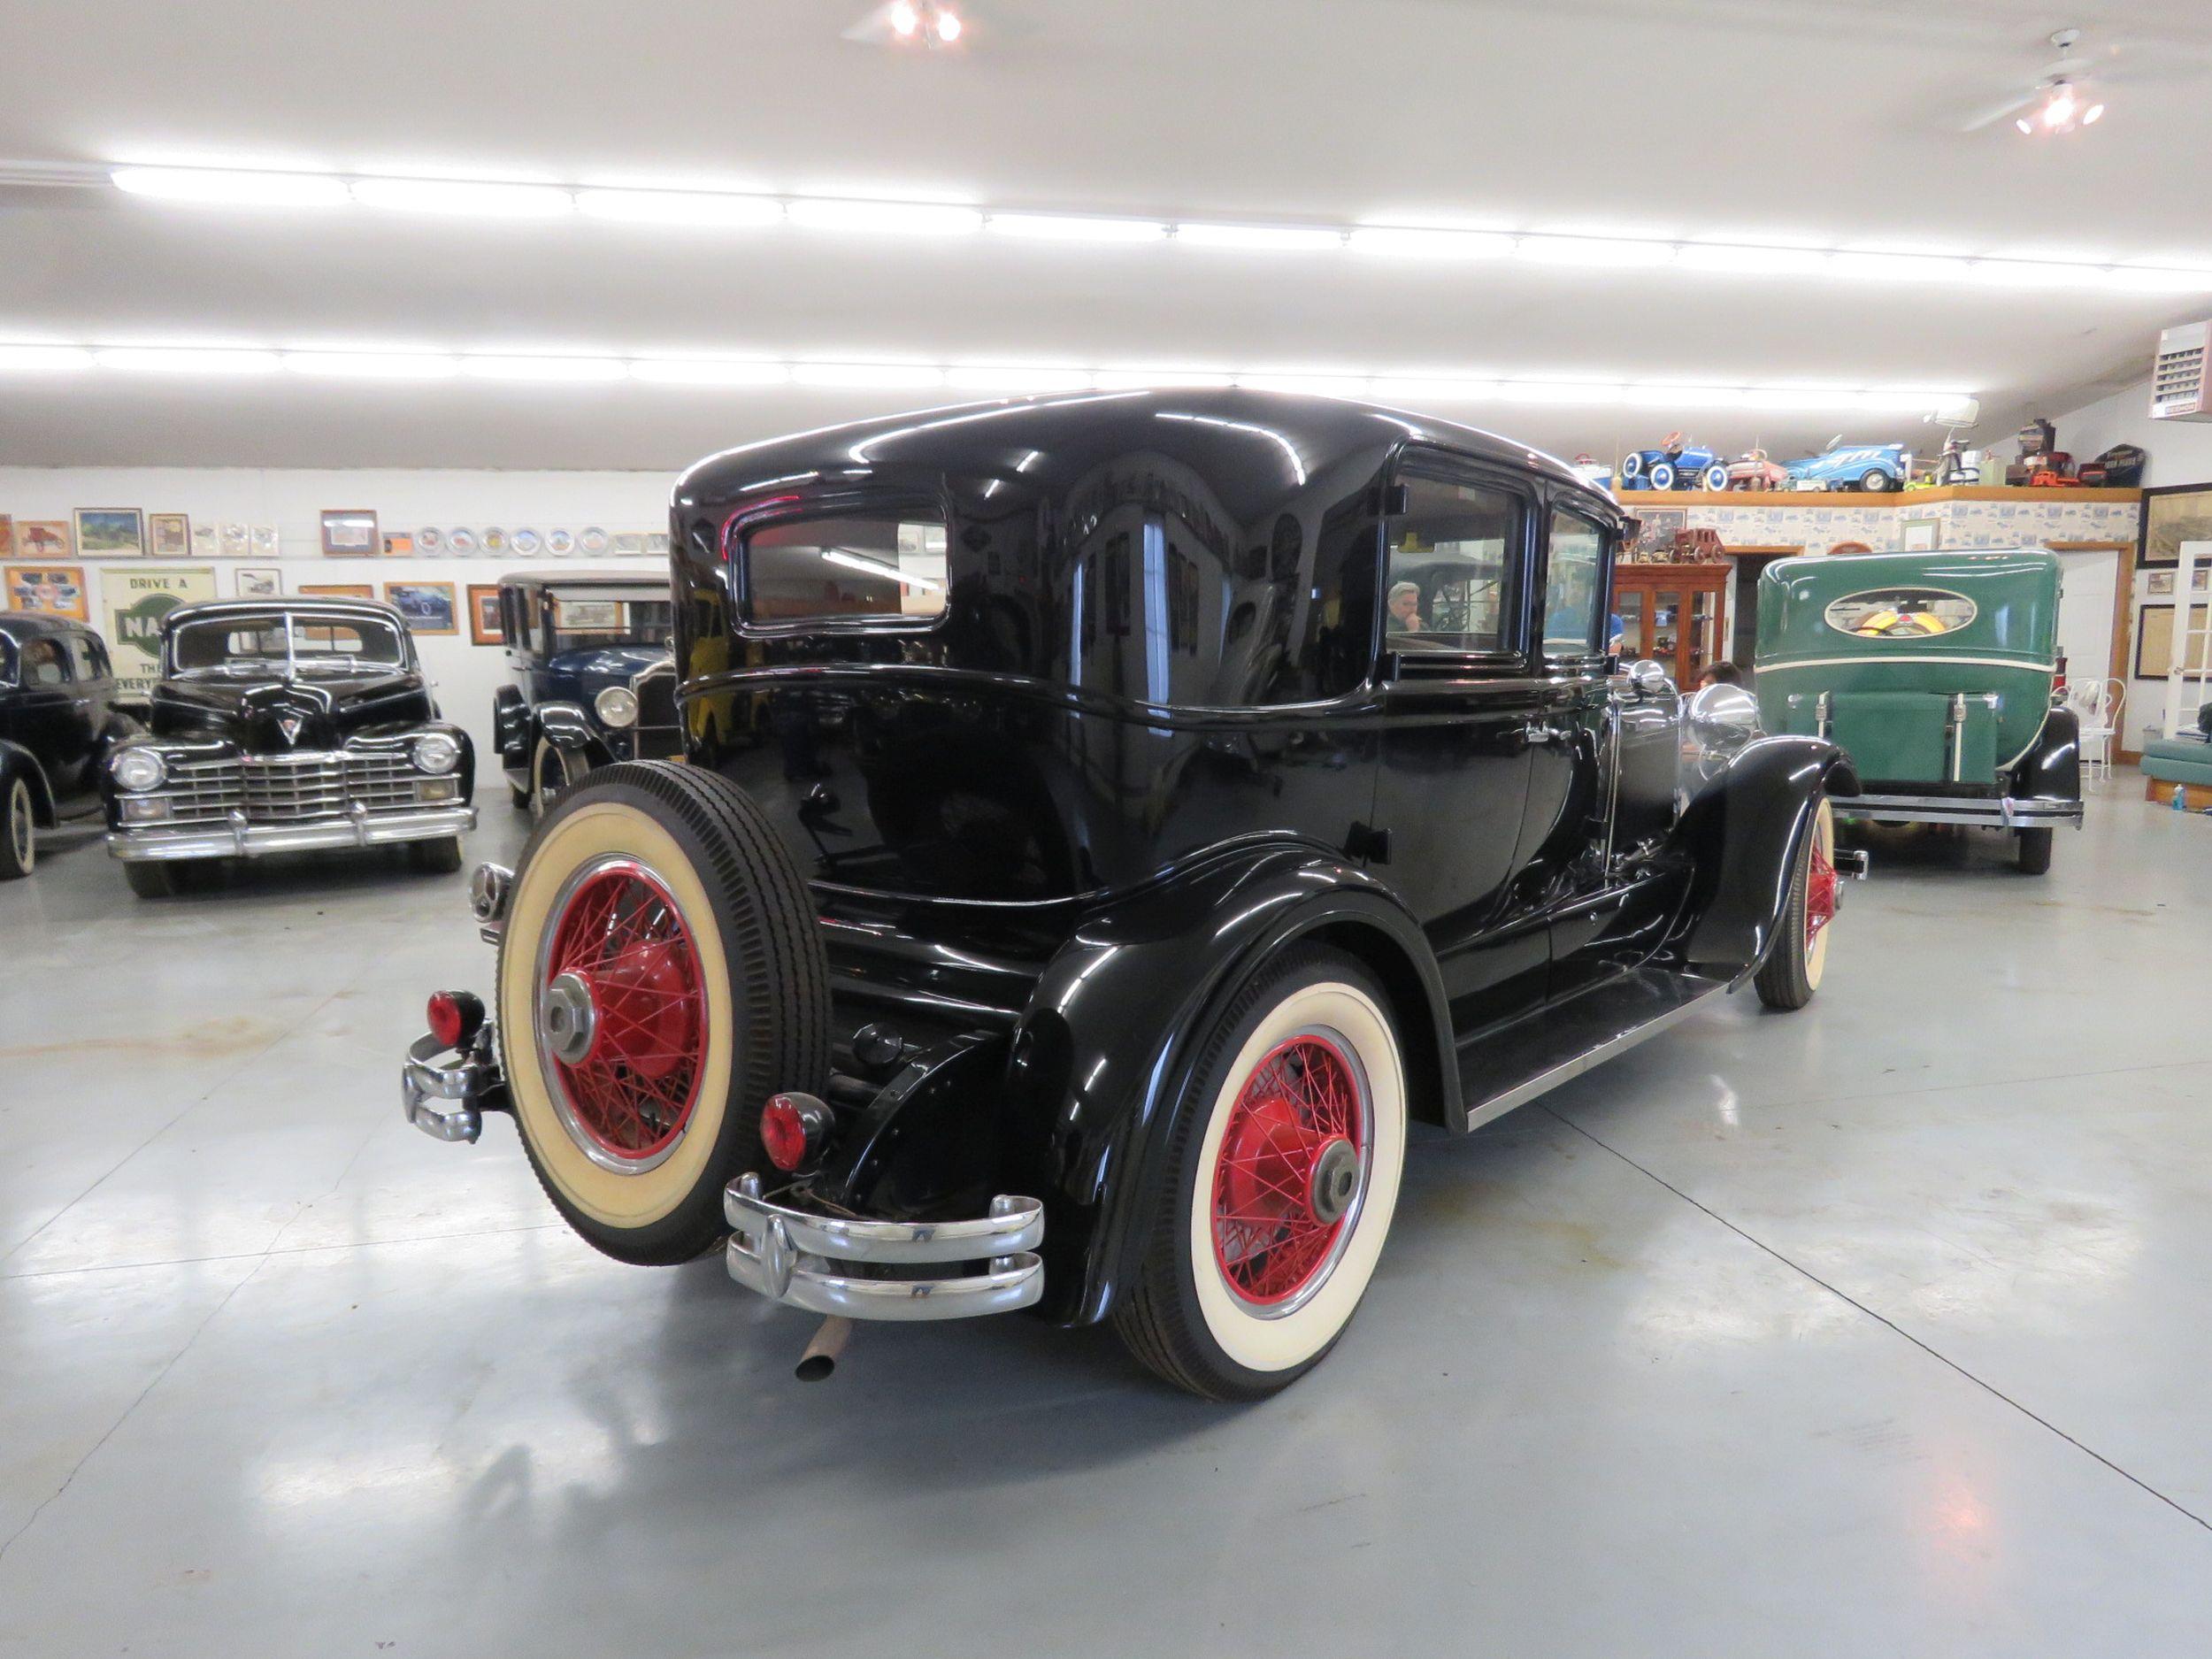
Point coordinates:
pixel 441 856
pixel 19 831
pixel 549 776
pixel 1792 971
pixel 1875 479
pixel 1282 1177
pixel 660 975
pixel 2035 851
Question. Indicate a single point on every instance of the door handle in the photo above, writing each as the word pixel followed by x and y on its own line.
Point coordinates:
pixel 1540 734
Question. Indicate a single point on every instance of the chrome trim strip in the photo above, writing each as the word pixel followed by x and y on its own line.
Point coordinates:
pixel 1998 811
pixel 241 838
pixel 1920 657
pixel 1567 1070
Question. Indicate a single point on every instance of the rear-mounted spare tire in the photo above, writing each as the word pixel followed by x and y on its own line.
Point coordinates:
pixel 660 975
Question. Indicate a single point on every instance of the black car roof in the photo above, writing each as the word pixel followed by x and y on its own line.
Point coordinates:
pixel 24 625
pixel 1059 438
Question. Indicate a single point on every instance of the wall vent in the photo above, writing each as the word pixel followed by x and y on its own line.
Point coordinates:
pixel 2178 389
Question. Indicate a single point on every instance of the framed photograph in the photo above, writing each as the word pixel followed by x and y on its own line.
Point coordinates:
pixel 484 620
pixel 109 533
pixel 252 582
pixel 428 606
pixel 47 590
pixel 339 590
pixel 1654 536
pixel 207 540
pixel 399 547
pixel 2160 583
pixel 349 532
pixel 7 536
pixel 2172 514
pixel 2154 638
pixel 1920 535
pixel 589 615
pixel 629 543
pixel 237 541
pixel 169 534
pixel 44 538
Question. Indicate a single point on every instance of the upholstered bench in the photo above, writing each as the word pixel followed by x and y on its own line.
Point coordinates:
pixel 2185 760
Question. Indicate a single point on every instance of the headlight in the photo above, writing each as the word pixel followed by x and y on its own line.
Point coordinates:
pixel 435 751
pixel 139 769
pixel 617 705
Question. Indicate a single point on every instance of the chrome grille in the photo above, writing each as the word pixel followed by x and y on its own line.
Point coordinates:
pixel 287 788
pixel 382 781
pixel 202 791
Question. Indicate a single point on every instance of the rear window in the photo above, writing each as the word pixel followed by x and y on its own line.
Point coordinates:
pixel 1900 613
pixel 586 620
pixel 888 564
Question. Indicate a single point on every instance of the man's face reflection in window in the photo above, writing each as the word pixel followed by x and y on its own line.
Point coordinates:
pixel 1405 608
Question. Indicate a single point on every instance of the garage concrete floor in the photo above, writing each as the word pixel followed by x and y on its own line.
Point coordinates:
pixel 1879 1329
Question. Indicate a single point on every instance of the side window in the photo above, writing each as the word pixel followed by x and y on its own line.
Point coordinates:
pixel 1574 578
pixel 44 664
pixel 1452 556
pixel 86 657
pixel 860 565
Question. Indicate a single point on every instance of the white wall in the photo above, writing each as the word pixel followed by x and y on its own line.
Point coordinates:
pixel 294 500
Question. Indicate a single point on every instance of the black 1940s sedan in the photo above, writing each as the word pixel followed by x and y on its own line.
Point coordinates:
pixel 1109 821
pixel 57 721
pixel 282 725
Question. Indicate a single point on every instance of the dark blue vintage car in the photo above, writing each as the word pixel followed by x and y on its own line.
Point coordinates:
pixel 591 679
pixel 57 720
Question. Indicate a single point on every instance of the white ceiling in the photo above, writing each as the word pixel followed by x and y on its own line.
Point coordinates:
pixel 1833 121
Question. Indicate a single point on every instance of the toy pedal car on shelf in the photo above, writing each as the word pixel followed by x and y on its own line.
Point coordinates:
pixel 1753 471
pixel 1874 467
pixel 1674 465
pixel 1082 872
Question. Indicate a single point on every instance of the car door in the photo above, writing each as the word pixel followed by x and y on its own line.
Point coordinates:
pixel 95 688
pixel 50 717
pixel 1601 794
pixel 1459 704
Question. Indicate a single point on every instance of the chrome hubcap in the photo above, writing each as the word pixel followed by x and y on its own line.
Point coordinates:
pixel 1335 1181
pixel 569 1018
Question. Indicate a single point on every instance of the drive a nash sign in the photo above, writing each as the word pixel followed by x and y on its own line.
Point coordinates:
pixel 136 602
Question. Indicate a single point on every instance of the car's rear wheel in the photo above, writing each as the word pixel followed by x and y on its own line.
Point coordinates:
pixel 1799 957
pixel 660 977
pixel 1660 476
pixel 1282 1177
pixel 1717 476
pixel 2035 851
pixel 549 776
pixel 1875 479
pixel 19 831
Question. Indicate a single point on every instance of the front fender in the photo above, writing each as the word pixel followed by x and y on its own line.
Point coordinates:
pixel 1098 1072
pixel 1740 830
pixel 569 729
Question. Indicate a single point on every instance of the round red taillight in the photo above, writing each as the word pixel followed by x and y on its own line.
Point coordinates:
pixel 454 1018
pixel 783 1133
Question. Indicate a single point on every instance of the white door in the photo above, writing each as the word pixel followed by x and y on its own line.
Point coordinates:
pixel 2086 581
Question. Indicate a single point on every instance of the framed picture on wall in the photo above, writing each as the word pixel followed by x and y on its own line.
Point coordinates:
pixel 1919 535
pixel 2172 514
pixel 7 536
pixel 253 582
pixel 399 547
pixel 47 590
pixel 339 590
pixel 428 606
pixel 109 533
pixel 169 534
pixel 44 538
pixel 349 532
pixel 2155 639
pixel 484 621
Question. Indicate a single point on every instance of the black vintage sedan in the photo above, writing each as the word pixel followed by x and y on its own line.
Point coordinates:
pixel 1110 822
pixel 282 725
pixel 590 681
pixel 57 721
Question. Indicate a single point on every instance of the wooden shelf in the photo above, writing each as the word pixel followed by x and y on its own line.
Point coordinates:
pixel 1863 498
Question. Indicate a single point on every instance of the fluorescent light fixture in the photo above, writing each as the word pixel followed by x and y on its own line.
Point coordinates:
pixel 986 378
pixel 232 189
pixel 903 219
pixel 43 359
pixel 372 366
pixel 1276 238
pixel 468 197
pixel 542 369
pixel 2146 279
pixel 1900 267
pixel 1430 244
pixel 1615 251
pixel 708 210
pixel 1074 228
pixel 709 372
pixel 1572 392
pixel 1902 402
pixel 2035 273
pixel 1733 260
pixel 873 376
pixel 1164 379
pixel 877 567
pixel 186 360
pixel 1682 396
pixel 1319 385
pixel 1401 389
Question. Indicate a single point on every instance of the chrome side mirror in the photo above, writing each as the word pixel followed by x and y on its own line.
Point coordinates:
pixel 1724 714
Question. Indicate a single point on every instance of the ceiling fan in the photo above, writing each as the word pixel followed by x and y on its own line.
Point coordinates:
pixel 2062 99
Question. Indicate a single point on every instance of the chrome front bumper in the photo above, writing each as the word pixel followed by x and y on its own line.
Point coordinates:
pixel 237 838
pixel 1992 811
pixel 446 1100
pixel 801 1259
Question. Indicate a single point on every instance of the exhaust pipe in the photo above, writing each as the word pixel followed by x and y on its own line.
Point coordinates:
pixel 821 1358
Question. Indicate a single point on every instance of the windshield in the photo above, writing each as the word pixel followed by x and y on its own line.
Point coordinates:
pixel 258 644
pixel 595 618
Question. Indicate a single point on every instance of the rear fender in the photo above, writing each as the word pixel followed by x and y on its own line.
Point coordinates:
pixel 1098 1072
pixel 19 762
pixel 1741 832
pixel 511 726
pixel 2051 769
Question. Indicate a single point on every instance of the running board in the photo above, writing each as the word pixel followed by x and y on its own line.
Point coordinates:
pixel 1556 1045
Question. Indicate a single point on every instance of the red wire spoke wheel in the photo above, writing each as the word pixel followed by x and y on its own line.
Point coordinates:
pixel 1820 892
pixel 1799 957
pixel 1290 1167
pixel 625 1011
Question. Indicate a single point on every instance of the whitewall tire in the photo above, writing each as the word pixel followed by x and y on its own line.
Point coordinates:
pixel 1799 956
pixel 18 829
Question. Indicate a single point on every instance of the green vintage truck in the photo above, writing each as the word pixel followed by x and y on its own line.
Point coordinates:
pixel 1935 673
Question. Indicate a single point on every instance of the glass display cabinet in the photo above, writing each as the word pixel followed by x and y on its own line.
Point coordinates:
pixel 1671 613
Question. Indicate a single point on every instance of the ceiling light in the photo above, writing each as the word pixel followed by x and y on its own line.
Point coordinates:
pixel 372 366
pixel 562 369
pixel 947 25
pixel 2091 116
pixel 1558 392
pixel 1074 228
pixel 923 218
pixel 1414 389
pixel 1900 267
pixel 2148 279
pixel 1682 396
pixel 877 567
pixel 186 360
pixel 905 20
pixel 1317 384
pixel 236 190
pixel 1430 244
pixel 42 359
pixel 1744 261
pixel 1280 238
pixel 1164 380
pixel 2035 273
pixel 872 376
pixel 1595 251
pixel 709 372
pixel 707 209
pixel 476 199
pixel 985 379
